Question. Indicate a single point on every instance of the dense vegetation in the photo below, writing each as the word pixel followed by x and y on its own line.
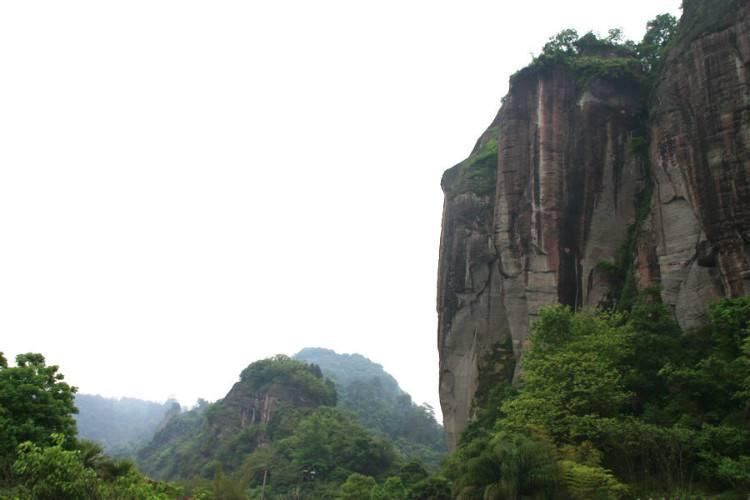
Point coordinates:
pixel 300 446
pixel 587 57
pixel 219 436
pixel 380 405
pixel 618 405
pixel 279 434
pixel 611 57
pixel 120 426
pixel 41 457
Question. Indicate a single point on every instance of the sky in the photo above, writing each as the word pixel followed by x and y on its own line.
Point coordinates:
pixel 189 186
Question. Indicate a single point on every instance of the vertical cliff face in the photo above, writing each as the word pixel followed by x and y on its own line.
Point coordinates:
pixel 527 226
pixel 556 188
pixel 700 132
pixel 473 328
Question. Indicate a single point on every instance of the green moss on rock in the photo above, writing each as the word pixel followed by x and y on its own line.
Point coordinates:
pixel 477 174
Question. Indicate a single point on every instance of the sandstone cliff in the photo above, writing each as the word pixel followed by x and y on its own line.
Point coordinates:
pixel 564 201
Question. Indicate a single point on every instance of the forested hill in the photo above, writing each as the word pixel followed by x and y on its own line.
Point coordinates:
pixel 276 434
pixel 375 397
pixel 122 425
pixel 344 369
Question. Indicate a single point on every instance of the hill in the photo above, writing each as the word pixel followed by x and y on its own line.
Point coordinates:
pixel 375 397
pixel 277 429
pixel 120 426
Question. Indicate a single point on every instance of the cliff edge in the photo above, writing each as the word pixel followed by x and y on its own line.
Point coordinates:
pixel 601 174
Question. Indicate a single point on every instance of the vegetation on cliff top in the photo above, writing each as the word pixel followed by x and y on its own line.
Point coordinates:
pixel 589 57
pixel 611 57
pixel 477 173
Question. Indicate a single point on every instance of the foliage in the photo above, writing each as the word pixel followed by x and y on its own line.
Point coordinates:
pixel 380 405
pixel 174 450
pixel 345 369
pixel 392 489
pixel 220 436
pixel 49 462
pixel 328 440
pixel 35 402
pixel 432 488
pixel 610 57
pixel 660 32
pixel 356 487
pixel 54 473
pixel 325 449
pixel 586 481
pixel 617 404
pixel 477 174
pixel 283 370
pixel 506 464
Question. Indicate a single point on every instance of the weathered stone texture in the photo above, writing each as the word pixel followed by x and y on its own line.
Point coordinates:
pixel 565 190
pixel 700 156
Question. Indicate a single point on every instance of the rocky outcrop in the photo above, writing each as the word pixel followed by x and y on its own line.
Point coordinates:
pixel 247 406
pixel 564 187
pixel 271 396
pixel 559 185
pixel 700 156
pixel 472 321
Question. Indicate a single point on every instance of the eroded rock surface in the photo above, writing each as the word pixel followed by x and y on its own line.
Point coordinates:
pixel 564 189
pixel 701 167
pixel 556 187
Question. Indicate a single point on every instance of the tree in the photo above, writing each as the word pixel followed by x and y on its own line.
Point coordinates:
pixel 53 473
pixel 357 487
pixel 35 402
pixel 562 43
pixel 392 489
pixel 659 33
pixel 432 488
pixel 573 373
pixel 328 439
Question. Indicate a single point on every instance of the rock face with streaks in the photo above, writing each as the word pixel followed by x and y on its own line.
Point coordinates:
pixel 271 395
pixel 700 132
pixel 564 180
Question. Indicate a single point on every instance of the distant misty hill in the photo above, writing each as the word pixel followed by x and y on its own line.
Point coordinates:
pixel 344 369
pixel 120 426
pixel 374 395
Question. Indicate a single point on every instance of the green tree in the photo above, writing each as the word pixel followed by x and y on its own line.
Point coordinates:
pixel 659 33
pixel 562 44
pixel 357 487
pixel 53 473
pixel 392 489
pixel 35 402
pixel 432 488
pixel 573 374
pixel 329 439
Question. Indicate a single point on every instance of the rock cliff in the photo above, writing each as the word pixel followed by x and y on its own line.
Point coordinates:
pixel 268 400
pixel 592 180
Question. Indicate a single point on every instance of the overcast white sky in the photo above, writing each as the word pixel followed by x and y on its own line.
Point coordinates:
pixel 187 187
